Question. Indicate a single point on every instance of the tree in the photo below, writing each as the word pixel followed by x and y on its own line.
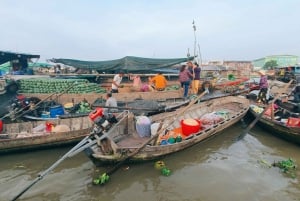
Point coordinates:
pixel 270 65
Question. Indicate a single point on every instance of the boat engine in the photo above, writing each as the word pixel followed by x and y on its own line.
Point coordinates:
pixel 103 120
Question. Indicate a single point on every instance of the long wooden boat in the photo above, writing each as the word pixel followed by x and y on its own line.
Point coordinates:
pixel 285 128
pixel 124 137
pixel 122 96
pixel 25 136
pixel 148 103
pixel 138 107
pixel 224 88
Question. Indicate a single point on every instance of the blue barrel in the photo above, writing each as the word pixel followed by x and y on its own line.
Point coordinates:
pixel 56 111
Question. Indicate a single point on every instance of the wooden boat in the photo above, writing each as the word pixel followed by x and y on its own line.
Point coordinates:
pixel 123 96
pixel 287 128
pixel 138 107
pixel 124 138
pixel 224 88
pixel 16 137
pixel 150 103
pixel 145 107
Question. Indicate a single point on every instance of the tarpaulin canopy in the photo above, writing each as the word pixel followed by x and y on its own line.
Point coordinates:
pixel 127 64
pixel 10 56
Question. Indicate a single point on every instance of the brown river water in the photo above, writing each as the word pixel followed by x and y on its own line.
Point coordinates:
pixel 217 169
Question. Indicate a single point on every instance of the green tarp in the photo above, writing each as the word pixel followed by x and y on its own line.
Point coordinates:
pixel 128 64
pixel 5 67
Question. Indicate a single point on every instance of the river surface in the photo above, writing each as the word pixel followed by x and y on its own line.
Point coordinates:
pixel 214 170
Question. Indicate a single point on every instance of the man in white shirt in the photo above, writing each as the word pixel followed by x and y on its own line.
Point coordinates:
pixel 116 82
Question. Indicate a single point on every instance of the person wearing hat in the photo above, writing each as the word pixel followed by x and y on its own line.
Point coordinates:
pixel 116 82
pixel 263 88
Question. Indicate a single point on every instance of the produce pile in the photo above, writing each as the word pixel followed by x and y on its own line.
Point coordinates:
pixel 50 85
pixel 173 87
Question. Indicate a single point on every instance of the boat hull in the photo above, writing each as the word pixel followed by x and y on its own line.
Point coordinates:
pixel 19 137
pixel 277 128
pixel 156 151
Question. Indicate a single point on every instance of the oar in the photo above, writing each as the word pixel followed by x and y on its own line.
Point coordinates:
pixel 159 132
pixel 250 126
pixel 40 176
pixel 83 144
pixel 35 106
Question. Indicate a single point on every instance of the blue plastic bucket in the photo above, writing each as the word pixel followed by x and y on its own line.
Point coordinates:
pixel 56 111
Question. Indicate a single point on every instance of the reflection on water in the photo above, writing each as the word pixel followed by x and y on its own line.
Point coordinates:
pixel 217 169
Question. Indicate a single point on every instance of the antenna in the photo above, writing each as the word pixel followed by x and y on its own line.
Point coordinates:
pixel 195 39
pixel 195 44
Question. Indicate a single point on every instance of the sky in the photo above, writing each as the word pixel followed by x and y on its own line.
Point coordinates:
pixel 97 30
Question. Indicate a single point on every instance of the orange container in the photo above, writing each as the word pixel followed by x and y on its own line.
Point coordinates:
pixel 293 122
pixel 98 112
pixel 188 129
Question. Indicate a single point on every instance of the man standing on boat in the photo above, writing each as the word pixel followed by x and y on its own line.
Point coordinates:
pixel 196 78
pixel 185 77
pixel 116 82
pixel 263 86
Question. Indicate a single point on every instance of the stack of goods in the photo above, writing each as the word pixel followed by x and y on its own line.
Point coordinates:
pixel 173 87
pixel 50 85
pixel 189 127
pixel 213 118
pixel 293 122
pixel 171 137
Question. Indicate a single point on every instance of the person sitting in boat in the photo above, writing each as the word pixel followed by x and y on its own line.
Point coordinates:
pixel 159 81
pixel 263 87
pixel 116 82
pixel 111 103
pixel 137 83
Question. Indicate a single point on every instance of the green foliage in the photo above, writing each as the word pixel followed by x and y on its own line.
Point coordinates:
pixel 270 65
pixel 102 179
pixel 287 166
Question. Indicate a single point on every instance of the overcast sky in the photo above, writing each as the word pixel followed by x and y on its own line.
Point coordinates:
pixel 105 30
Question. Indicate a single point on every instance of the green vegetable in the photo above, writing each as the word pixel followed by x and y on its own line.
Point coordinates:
pixel 165 171
pixel 102 179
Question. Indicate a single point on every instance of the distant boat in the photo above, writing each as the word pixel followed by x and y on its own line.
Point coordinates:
pixel 26 136
pixel 287 127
